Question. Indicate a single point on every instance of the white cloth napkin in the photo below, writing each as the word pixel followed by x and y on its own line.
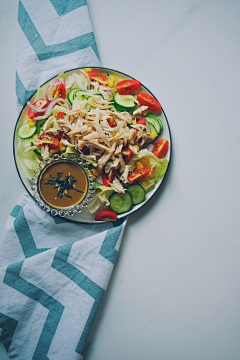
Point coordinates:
pixel 53 272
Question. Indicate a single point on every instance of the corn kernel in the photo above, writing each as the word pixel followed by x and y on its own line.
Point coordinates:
pixel 95 172
pixel 137 147
pixel 31 122
pixel 61 146
pixel 145 161
pixel 153 135
pixel 87 70
pixel 89 173
pixel 112 80
pixel 139 165
pixel 110 83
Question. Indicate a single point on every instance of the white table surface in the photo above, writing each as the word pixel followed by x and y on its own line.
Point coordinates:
pixel 174 293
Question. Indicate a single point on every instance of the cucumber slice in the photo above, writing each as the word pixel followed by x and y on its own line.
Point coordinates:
pixel 152 129
pixel 79 96
pixel 124 102
pixel 154 121
pixel 121 203
pixel 71 94
pixel 137 192
pixel 160 122
pixel 25 131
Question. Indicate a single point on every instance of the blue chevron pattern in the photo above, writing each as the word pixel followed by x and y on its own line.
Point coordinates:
pixel 96 292
pixel 22 93
pixel 59 263
pixel 24 233
pixel 64 8
pixel 47 52
pixel 13 279
pixel 108 247
pixel 8 325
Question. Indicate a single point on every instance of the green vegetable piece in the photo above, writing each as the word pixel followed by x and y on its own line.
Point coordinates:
pixel 137 192
pixel 78 95
pixel 70 150
pixel 25 131
pixel 121 203
pixel 124 102
pixel 156 122
pixel 70 95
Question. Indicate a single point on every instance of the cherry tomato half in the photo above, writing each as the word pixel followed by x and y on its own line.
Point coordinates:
pixel 107 179
pixel 41 104
pixel 112 174
pixel 60 115
pixel 96 76
pixel 126 153
pixel 106 215
pixel 50 140
pixel 126 87
pixel 142 121
pixel 148 100
pixel 138 175
pixel 61 92
pixel 160 149
pixel 111 122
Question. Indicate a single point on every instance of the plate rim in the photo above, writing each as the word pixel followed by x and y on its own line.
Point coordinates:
pixel 121 216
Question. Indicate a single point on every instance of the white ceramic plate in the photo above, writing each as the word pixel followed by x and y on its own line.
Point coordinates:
pixel 85 216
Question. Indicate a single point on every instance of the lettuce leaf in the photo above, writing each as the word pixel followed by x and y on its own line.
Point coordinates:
pixel 27 160
pixel 160 170
pixel 96 203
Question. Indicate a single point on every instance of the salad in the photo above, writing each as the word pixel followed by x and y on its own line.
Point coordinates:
pixel 111 123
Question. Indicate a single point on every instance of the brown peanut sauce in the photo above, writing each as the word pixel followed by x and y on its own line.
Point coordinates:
pixel 59 191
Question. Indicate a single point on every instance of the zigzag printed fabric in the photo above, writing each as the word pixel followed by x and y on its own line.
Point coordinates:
pixel 53 36
pixel 54 273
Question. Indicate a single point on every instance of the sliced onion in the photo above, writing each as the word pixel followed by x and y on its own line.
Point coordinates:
pixel 39 110
pixel 54 102
pixel 109 92
pixel 55 81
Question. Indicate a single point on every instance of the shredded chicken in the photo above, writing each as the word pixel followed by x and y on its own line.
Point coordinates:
pixel 117 186
pixel 140 110
pixel 104 199
pixel 45 152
